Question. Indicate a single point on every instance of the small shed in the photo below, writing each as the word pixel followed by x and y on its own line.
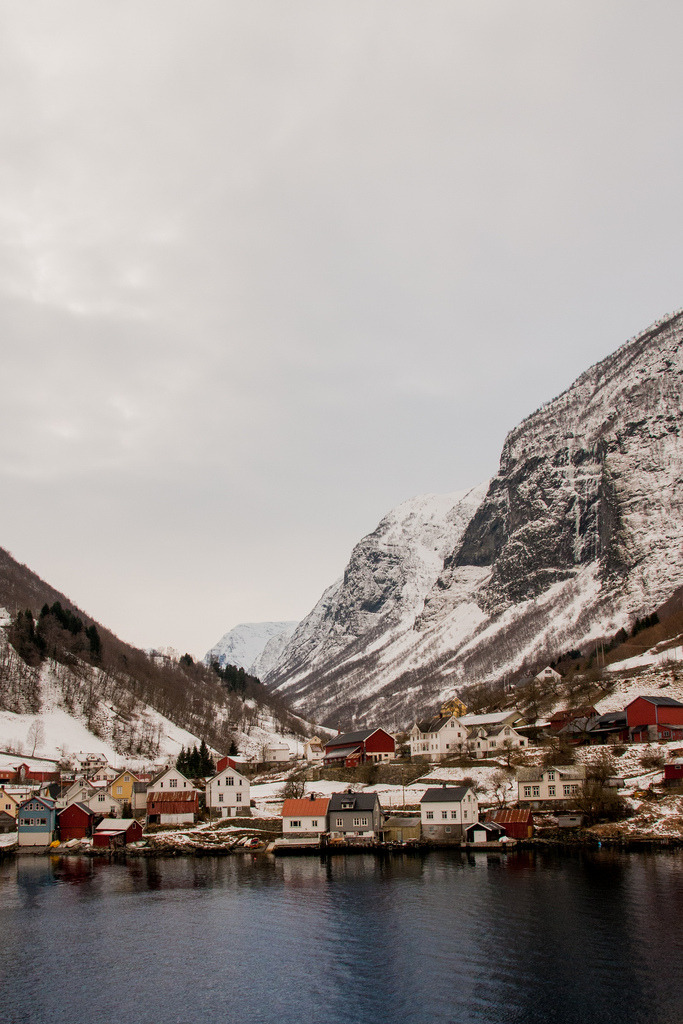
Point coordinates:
pixel 673 772
pixel 117 832
pixel 400 829
pixel 483 832
pixel 7 822
pixel 518 822
pixel 76 822
pixel 172 807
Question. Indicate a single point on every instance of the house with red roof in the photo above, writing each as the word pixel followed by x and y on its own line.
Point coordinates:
pixel 306 817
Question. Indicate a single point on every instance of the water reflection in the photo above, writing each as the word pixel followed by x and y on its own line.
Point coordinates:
pixel 443 938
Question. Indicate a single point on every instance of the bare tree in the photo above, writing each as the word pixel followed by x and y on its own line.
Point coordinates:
pixel 35 735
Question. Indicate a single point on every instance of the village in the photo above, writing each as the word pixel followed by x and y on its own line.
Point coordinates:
pixel 482 780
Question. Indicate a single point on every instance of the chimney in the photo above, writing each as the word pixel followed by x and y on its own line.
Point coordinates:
pixel 312 796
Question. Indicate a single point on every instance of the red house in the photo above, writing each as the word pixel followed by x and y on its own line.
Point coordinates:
pixel 654 718
pixel 517 822
pixel 565 717
pixel 353 748
pixel 76 822
pixel 227 762
pixel 113 832
pixel 673 772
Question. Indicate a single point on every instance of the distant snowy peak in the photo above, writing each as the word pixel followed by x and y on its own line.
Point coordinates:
pixel 244 645
pixel 385 583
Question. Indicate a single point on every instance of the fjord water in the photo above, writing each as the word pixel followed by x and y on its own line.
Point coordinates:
pixel 594 938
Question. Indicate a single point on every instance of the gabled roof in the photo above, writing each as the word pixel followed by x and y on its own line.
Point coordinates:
pixel 116 824
pixel 172 796
pixel 82 807
pixel 341 752
pixel 492 718
pixel 305 808
pixel 564 771
pixel 360 801
pixel 345 739
pixel 511 815
pixel 662 702
pixel 445 795
pixel 433 724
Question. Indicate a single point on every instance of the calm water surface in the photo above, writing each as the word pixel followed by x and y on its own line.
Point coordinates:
pixel 444 939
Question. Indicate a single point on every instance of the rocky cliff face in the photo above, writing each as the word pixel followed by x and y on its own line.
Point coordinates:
pixel 580 531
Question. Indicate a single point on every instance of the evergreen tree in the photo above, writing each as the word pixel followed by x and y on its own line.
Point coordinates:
pixel 206 764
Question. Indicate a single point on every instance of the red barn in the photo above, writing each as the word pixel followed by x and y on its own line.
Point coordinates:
pixel 76 822
pixel 673 772
pixel 654 718
pixel 352 748
pixel 517 822
pixel 113 832
pixel 227 762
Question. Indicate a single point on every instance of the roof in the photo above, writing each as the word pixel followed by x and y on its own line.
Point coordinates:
pixel 489 826
pixel 399 822
pixel 344 739
pixel 662 702
pixel 343 751
pixel 493 718
pixel 82 807
pixel 511 815
pixel 565 771
pixel 433 724
pixel 612 718
pixel 445 794
pixel 43 800
pixel 116 824
pixel 173 796
pixel 305 808
pixel 361 801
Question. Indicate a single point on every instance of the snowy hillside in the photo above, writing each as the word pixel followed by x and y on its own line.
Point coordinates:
pixel 580 532
pixel 244 645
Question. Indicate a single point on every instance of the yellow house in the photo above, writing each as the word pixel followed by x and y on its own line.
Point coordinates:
pixel 454 707
pixel 121 788
pixel 8 803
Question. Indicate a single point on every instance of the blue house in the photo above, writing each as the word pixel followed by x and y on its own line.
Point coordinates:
pixel 36 821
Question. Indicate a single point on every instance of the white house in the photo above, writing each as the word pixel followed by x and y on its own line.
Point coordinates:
pixel 437 738
pixel 306 817
pixel 171 779
pixel 227 793
pixel 313 749
pixel 276 753
pixel 553 786
pixel 548 675
pixel 494 740
pixel 446 811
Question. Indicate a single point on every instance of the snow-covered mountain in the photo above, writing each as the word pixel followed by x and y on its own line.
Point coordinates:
pixel 580 531
pixel 246 644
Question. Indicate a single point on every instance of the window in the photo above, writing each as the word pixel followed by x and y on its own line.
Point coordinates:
pixel 295 824
pixel 173 783
pixel 126 778
pixel 238 798
pixel 444 814
pixel 454 815
pixel 101 798
pixel 230 781
pixel 536 791
pixel 567 790
pixel 119 790
pixel 464 815
pixel 551 791
pixel 314 823
pixel 430 815
pixel 551 776
pixel 220 798
pixel 340 821
pixel 360 821
pixel 527 791
pixel 447 828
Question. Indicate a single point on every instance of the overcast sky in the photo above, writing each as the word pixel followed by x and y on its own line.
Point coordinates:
pixel 269 268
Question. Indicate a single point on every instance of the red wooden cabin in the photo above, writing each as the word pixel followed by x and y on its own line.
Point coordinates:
pixel 655 718
pixel 76 822
pixel 352 748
